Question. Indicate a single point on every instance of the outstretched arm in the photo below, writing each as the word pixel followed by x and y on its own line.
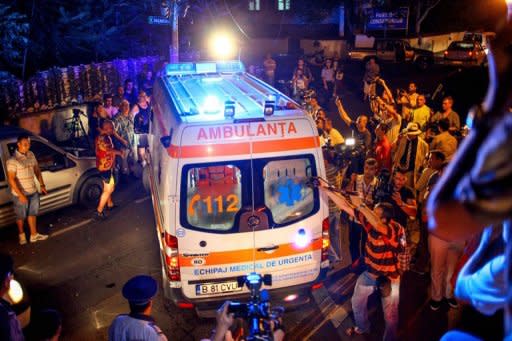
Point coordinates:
pixel 343 114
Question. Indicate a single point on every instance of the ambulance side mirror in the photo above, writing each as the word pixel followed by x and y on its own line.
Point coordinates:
pixel 166 140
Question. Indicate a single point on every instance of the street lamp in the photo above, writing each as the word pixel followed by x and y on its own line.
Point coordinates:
pixel 222 46
pixel 509 10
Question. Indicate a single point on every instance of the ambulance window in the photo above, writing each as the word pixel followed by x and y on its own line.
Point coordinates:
pixel 213 196
pixel 286 193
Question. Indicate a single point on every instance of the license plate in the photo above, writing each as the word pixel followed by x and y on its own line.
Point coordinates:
pixel 217 288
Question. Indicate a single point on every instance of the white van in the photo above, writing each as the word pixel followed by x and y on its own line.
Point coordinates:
pixel 69 179
pixel 230 160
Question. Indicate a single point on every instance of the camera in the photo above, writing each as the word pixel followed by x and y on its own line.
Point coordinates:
pixel 342 155
pixel 384 189
pixel 77 112
pixel 257 312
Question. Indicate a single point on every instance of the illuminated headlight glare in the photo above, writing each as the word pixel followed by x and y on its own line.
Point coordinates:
pixel 15 292
pixel 301 239
pixel 350 141
pixel 290 298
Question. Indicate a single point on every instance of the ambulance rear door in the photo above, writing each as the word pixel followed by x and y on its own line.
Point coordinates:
pixel 245 205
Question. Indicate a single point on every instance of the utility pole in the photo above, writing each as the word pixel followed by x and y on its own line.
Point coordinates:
pixel 175 53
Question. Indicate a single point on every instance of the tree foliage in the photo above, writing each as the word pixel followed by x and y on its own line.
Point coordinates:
pixel 314 11
pixel 13 37
pixel 63 32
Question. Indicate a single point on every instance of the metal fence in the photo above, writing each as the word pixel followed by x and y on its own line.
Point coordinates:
pixel 59 87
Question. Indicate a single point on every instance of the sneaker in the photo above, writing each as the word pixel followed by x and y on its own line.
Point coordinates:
pixel 452 303
pixel 435 305
pixel 37 237
pixel 23 239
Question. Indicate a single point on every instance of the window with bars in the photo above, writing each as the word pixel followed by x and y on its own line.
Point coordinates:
pixel 283 5
pixel 254 5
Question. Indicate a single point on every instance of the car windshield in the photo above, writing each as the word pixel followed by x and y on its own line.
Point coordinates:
pixel 461 46
pixel 217 193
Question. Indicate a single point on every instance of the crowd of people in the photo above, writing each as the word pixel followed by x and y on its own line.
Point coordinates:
pixel 379 189
pixel 118 129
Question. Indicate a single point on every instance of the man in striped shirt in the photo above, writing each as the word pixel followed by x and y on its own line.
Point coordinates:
pixel 22 169
pixel 385 238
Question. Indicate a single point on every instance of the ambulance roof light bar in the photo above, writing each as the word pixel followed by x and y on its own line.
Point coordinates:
pixel 181 69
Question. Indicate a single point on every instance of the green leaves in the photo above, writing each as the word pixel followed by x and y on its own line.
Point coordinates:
pixel 14 31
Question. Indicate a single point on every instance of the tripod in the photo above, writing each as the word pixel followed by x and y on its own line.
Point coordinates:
pixel 77 131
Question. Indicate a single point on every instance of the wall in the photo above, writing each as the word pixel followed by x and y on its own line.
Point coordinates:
pixel 436 43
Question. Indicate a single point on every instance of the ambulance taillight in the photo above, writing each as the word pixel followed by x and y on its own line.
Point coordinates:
pixel 171 258
pixel 325 238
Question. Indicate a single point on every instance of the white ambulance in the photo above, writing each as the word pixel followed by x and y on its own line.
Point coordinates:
pixel 230 158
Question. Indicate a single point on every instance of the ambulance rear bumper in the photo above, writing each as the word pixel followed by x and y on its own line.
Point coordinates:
pixel 206 307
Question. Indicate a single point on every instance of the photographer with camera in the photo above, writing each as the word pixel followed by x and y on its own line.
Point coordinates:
pixel 385 113
pixel 399 195
pixel 408 100
pixel 225 320
pixel 362 185
pixel 385 240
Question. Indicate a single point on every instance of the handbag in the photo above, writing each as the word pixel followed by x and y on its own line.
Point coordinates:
pixel 403 255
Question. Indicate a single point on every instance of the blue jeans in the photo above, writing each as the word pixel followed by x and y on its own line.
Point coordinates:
pixel 30 209
pixel 366 284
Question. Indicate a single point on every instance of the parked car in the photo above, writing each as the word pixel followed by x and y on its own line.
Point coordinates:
pixel 393 50
pixel 465 52
pixel 483 38
pixel 69 179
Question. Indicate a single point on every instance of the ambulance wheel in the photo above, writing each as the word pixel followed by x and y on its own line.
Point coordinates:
pixel 145 179
pixel 90 192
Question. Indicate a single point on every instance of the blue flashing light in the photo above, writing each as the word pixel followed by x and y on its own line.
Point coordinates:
pixel 301 239
pixel 211 105
pixel 181 69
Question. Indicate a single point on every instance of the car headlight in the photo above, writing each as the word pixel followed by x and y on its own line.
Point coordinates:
pixel 15 292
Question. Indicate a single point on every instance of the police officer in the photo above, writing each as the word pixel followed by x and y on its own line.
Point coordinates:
pixel 138 324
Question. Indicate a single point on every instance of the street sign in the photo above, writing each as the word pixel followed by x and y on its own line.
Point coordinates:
pixel 378 19
pixel 158 20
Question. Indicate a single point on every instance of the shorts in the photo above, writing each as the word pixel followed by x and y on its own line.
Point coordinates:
pixel 30 209
pixel 143 141
pixel 108 177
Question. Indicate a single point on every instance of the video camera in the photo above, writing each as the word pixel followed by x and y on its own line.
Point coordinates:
pixel 345 153
pixel 384 189
pixel 257 312
pixel 78 112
